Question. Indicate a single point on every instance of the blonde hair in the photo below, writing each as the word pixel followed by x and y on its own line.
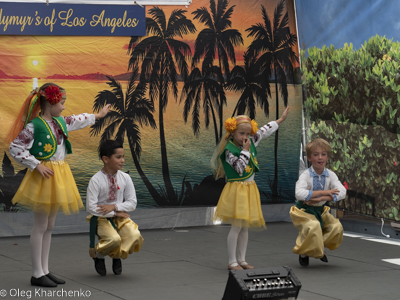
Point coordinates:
pixel 315 143
pixel 215 161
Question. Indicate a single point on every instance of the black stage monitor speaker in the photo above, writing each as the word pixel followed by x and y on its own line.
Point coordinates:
pixel 278 283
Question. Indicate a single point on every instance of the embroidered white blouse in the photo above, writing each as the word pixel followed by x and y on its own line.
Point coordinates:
pixel 19 148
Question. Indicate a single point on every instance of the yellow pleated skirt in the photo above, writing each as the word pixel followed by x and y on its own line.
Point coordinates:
pixel 45 195
pixel 240 205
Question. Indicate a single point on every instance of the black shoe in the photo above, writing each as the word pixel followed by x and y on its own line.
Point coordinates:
pixel 43 281
pixel 55 279
pixel 324 259
pixel 303 261
pixel 117 266
pixel 100 266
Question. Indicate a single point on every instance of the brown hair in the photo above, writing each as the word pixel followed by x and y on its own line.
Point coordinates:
pixel 42 98
pixel 20 120
pixel 315 143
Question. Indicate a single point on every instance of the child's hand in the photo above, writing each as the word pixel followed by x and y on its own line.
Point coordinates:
pixel 333 191
pixel 122 214
pixel 105 209
pixel 44 171
pixel 246 144
pixel 284 116
pixel 103 112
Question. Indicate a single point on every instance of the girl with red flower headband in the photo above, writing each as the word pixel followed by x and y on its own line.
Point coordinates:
pixel 39 141
pixel 239 203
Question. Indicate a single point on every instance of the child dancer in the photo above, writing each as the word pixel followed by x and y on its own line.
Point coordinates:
pixel 239 203
pixel 40 142
pixel 317 185
pixel 110 195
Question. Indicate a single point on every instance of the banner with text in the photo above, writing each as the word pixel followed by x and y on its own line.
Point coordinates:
pixel 72 19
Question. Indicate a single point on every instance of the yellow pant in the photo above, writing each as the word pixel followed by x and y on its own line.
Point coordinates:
pixel 312 239
pixel 119 242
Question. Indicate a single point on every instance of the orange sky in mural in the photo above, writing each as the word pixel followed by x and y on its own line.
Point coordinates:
pixel 83 55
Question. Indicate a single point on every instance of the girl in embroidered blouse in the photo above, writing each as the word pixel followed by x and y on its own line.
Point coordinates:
pixel 39 141
pixel 239 203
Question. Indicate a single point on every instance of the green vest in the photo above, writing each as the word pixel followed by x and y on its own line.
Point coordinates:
pixel 44 142
pixel 230 172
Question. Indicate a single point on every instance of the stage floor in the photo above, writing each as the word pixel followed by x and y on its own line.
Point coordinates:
pixel 191 263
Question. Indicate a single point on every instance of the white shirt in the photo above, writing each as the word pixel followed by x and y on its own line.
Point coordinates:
pixel 98 194
pixel 19 148
pixel 305 186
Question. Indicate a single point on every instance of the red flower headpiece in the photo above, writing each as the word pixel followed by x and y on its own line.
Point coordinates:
pixel 52 94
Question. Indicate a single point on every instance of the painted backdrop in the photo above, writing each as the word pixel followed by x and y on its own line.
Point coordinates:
pixel 350 64
pixel 170 91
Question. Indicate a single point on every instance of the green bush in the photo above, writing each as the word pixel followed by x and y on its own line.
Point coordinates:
pixel 353 102
pixel 359 86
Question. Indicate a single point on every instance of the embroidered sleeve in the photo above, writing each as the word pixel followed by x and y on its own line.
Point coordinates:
pixel 79 121
pixel 19 148
pixel 264 132
pixel 238 163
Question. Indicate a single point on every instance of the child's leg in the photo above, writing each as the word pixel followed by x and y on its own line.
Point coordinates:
pixel 131 240
pixel 232 243
pixel 332 230
pixel 109 240
pixel 47 241
pixel 309 241
pixel 242 244
pixel 40 221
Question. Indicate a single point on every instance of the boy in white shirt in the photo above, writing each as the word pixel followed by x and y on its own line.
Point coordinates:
pixel 317 185
pixel 110 195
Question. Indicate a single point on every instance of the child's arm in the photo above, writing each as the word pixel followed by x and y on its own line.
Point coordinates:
pixel 303 190
pixel 103 112
pixel 81 121
pixel 129 196
pixel 19 150
pixel 336 184
pixel 238 163
pixel 284 116
pixel 269 128
pixel 325 195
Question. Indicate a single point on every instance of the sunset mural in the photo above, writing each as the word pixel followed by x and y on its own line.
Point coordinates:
pixel 88 66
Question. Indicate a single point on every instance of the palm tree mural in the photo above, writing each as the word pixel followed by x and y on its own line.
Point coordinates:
pixel 272 45
pixel 162 57
pixel 253 86
pixel 126 114
pixel 203 87
pixel 216 40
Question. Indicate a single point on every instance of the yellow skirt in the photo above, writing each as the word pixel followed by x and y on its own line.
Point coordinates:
pixel 240 205
pixel 45 195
